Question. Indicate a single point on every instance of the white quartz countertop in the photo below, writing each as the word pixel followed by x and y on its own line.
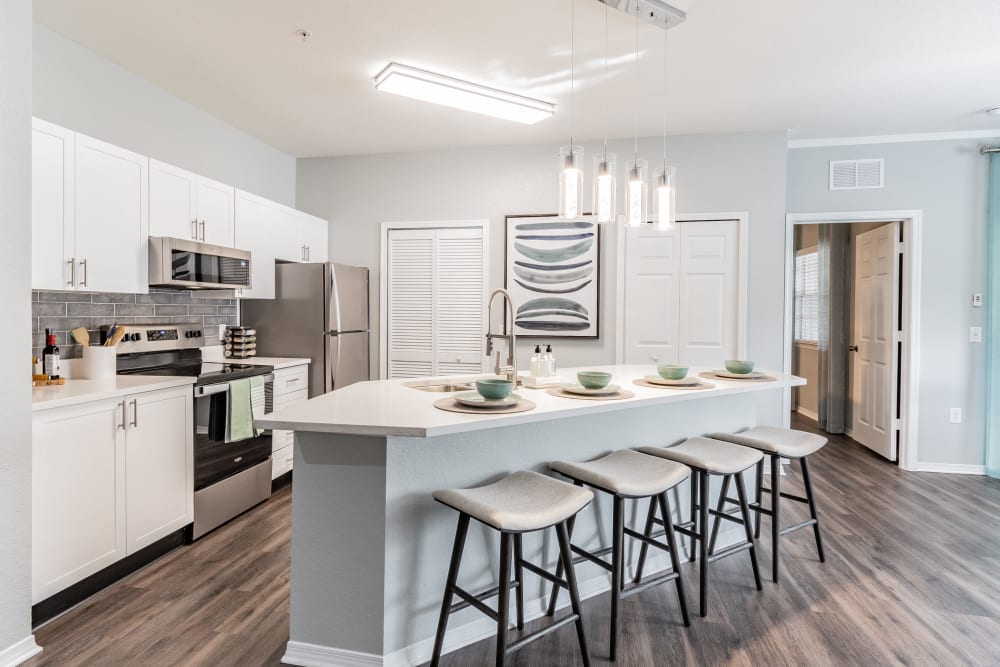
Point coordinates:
pixel 216 354
pixel 390 407
pixel 85 391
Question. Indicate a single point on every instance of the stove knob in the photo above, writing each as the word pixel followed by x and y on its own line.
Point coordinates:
pixel 197 334
pixel 136 337
pixel 188 334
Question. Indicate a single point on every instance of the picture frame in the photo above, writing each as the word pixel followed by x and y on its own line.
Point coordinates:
pixel 552 270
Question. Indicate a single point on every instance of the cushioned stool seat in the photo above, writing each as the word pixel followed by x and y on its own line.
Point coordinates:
pixel 521 502
pixel 713 456
pixel 784 442
pixel 626 473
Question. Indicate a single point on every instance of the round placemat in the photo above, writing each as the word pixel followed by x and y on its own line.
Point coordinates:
pixel 620 395
pixel 451 405
pixel 642 382
pixel 711 375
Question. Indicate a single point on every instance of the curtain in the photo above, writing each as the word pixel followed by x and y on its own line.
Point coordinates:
pixel 834 326
pixel 993 323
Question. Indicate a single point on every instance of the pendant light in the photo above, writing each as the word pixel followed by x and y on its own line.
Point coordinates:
pixel 635 196
pixel 605 163
pixel 571 157
pixel 664 176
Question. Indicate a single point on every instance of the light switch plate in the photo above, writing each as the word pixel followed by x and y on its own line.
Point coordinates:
pixel 975 334
pixel 956 416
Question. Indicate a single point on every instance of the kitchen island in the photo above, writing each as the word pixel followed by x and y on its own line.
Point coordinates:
pixel 370 547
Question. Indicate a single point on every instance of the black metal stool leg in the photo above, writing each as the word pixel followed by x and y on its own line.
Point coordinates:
pixel 694 513
pixel 741 489
pixel 519 578
pixel 617 547
pixel 503 599
pixel 759 495
pixel 675 561
pixel 554 597
pixel 456 561
pixel 776 514
pixel 703 543
pixel 645 547
pixel 721 507
pixel 812 508
pixel 574 596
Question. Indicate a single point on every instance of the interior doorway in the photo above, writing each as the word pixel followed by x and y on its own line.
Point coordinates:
pixel 851 316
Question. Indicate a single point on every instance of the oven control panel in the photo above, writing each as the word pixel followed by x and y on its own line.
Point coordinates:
pixel 157 337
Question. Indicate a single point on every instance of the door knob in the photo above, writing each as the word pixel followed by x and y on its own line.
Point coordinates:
pixel 853 348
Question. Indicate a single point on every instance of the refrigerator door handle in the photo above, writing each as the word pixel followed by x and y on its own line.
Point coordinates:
pixel 332 363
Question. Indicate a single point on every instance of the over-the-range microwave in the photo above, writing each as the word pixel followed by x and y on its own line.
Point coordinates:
pixel 190 265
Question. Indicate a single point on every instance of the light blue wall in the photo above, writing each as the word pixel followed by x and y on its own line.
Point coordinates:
pixel 947 181
pixel 80 90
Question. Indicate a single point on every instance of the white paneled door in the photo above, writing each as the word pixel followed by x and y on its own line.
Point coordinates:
pixel 435 299
pixel 682 293
pixel 873 393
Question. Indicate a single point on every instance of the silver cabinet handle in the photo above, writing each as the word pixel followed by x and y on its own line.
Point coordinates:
pixel 83 264
pixel 309 251
pixel 194 230
pixel 202 230
pixel 135 413
pixel 302 252
pixel 122 425
pixel 291 380
pixel 72 271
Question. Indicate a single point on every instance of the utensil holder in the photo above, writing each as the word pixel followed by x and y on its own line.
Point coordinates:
pixel 99 363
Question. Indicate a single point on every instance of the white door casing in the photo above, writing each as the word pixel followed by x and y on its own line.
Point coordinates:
pixel 873 339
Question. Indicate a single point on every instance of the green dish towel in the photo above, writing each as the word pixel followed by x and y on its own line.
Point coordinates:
pixel 240 411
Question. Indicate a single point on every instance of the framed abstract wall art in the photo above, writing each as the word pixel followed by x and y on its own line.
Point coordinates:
pixel 553 273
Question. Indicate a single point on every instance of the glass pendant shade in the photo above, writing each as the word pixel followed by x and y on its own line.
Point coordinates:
pixel 604 187
pixel 666 193
pixel 635 196
pixel 570 181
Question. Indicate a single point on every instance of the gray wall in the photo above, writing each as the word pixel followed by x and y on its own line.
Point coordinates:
pixel 80 90
pixel 15 292
pixel 732 172
pixel 947 180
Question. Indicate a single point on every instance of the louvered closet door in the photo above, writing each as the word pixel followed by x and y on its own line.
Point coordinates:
pixel 651 296
pixel 708 300
pixel 411 303
pixel 436 292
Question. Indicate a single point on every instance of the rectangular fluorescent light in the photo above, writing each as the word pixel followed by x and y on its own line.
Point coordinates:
pixel 450 92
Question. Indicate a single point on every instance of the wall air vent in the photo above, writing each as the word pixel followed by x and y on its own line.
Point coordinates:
pixel 857 174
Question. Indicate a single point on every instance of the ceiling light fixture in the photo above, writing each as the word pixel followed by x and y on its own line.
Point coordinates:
pixel 571 157
pixel 664 176
pixel 605 163
pixel 635 197
pixel 458 94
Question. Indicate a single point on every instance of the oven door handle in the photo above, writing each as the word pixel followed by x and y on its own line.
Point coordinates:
pixel 222 387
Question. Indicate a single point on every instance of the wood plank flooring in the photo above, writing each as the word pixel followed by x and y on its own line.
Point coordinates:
pixel 912 578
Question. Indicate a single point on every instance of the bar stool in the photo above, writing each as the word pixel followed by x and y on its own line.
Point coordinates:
pixel 711 457
pixel 522 502
pixel 778 443
pixel 626 474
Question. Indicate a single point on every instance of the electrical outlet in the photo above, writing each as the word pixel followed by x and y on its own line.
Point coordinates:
pixel 977 300
pixel 975 334
pixel 222 332
pixel 956 416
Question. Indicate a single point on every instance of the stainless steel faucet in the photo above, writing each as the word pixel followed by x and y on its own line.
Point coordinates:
pixel 511 368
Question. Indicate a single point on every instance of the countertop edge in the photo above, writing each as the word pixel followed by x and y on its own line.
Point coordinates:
pixel 154 384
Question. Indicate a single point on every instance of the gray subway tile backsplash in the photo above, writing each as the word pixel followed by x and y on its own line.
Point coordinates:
pixel 64 311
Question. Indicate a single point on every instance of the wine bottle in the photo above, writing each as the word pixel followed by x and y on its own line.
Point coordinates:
pixel 50 356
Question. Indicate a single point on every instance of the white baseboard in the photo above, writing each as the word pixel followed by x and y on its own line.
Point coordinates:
pixel 953 468
pixel 807 413
pixel 314 655
pixel 17 653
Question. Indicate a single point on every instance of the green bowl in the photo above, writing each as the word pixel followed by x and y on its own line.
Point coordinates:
pixel 494 389
pixel 739 366
pixel 671 372
pixel 593 379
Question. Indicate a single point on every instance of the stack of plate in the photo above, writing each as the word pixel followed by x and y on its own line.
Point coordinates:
pixel 473 399
pixel 576 388
pixel 683 382
pixel 752 375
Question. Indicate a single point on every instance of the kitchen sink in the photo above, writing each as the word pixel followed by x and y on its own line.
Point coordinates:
pixel 444 388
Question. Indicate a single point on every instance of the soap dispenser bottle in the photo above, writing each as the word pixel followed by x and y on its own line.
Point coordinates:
pixel 536 362
pixel 550 361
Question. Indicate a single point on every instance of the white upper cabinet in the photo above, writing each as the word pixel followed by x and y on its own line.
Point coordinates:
pixel 187 206
pixel 304 237
pixel 112 224
pixel 52 207
pixel 314 237
pixel 257 230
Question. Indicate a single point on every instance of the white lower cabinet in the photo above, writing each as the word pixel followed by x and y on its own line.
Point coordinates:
pixel 290 387
pixel 108 478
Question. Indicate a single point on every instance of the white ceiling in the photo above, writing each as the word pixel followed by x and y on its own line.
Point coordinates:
pixel 819 69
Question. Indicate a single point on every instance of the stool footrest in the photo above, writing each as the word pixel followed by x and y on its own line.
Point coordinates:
pixel 684 530
pixel 727 515
pixel 729 551
pixel 585 555
pixel 648 583
pixel 538 634
pixel 470 600
pixel 801 524
pixel 547 576
pixel 648 540
pixel 756 507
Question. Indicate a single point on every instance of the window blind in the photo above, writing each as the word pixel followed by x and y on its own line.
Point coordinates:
pixel 807 296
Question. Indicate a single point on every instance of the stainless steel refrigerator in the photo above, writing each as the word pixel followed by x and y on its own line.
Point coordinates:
pixel 319 311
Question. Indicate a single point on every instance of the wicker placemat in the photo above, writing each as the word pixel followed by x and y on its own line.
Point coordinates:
pixel 711 375
pixel 620 395
pixel 451 405
pixel 642 382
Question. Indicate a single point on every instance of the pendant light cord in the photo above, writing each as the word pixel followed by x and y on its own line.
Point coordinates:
pixel 605 82
pixel 665 95
pixel 637 83
pixel 572 68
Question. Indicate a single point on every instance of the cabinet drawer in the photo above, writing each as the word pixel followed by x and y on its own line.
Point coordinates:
pixel 287 380
pixel 286 399
pixel 281 462
pixel 281 440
